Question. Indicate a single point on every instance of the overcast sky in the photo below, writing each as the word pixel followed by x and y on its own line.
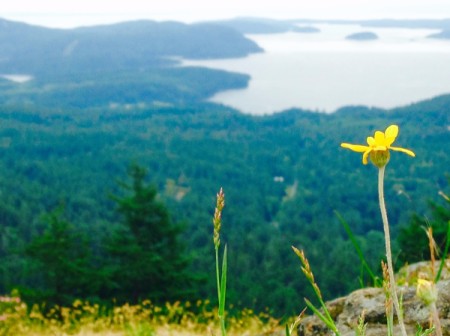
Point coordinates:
pixel 66 14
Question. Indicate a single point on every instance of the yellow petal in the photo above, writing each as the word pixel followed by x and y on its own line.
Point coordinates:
pixel 389 141
pixel 391 134
pixel 371 141
pixel 391 131
pixel 365 156
pixel 404 150
pixel 355 148
pixel 379 138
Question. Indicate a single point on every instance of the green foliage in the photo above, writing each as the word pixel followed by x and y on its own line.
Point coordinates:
pixel 376 281
pixel 443 255
pixel 62 263
pixel 413 241
pixel 148 260
pixel 124 88
pixel 421 332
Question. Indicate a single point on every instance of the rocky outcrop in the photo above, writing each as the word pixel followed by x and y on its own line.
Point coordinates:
pixel 347 310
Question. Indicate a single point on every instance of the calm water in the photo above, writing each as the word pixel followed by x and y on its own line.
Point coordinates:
pixel 17 78
pixel 324 71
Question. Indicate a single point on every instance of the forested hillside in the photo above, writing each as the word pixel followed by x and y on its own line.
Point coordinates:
pixel 45 52
pixel 132 63
pixel 284 176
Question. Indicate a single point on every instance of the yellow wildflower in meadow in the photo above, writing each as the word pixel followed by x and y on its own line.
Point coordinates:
pixel 379 146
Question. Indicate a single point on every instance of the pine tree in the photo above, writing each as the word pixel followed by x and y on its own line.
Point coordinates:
pixel 62 257
pixel 148 258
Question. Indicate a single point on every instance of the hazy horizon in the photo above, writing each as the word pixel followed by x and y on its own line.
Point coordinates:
pixel 57 14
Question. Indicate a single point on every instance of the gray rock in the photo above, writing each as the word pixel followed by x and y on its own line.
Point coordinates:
pixel 347 310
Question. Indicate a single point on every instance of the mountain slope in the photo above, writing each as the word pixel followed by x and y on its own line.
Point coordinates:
pixel 128 63
pixel 284 176
pixel 132 45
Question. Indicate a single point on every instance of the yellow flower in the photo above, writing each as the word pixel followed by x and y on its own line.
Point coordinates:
pixel 379 146
pixel 426 291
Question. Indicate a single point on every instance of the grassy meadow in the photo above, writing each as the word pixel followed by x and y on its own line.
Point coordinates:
pixel 144 319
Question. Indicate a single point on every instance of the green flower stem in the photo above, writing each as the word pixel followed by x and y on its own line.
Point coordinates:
pixel 217 272
pixel 390 323
pixel 392 283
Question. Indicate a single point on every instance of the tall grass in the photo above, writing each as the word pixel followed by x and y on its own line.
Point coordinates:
pixel 221 276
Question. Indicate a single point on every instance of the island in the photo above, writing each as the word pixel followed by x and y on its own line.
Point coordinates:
pixel 444 34
pixel 362 36
pixel 305 29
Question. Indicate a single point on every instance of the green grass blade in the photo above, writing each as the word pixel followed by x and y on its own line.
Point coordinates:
pixel 316 312
pixel 421 332
pixel 287 331
pixel 352 237
pixel 217 273
pixel 444 255
pixel 223 283
pixel 328 321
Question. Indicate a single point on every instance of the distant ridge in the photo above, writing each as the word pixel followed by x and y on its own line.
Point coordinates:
pixel 125 64
pixel 139 44
pixel 443 24
pixel 249 25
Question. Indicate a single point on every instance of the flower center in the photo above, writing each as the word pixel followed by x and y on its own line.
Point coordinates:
pixel 379 158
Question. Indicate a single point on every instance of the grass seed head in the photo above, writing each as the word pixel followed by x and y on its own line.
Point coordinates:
pixel 217 219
